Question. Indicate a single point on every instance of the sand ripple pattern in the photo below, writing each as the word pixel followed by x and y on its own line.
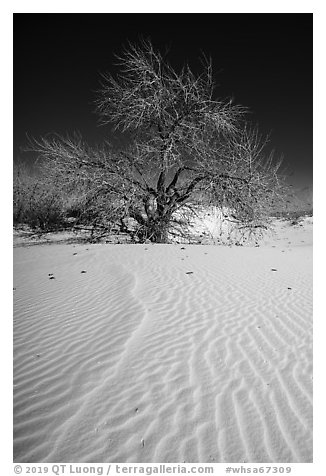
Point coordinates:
pixel 162 354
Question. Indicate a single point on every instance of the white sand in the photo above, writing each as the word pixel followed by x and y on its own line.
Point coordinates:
pixel 137 361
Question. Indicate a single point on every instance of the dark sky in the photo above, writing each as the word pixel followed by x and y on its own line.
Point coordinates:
pixel 263 60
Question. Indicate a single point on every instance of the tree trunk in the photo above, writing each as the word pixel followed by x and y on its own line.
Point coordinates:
pixel 160 235
pixel 158 228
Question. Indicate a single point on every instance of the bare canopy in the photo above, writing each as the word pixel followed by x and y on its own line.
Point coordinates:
pixel 181 144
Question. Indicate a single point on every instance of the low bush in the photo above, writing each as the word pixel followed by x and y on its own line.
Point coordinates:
pixel 37 206
pixel 46 206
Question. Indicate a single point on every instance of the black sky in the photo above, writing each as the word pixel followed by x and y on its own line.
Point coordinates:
pixel 264 61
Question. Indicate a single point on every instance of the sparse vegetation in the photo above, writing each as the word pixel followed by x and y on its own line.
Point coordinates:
pixel 35 204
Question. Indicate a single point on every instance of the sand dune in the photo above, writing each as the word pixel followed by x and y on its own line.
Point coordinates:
pixel 164 353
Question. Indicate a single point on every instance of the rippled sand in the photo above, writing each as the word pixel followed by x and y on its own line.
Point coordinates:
pixel 164 353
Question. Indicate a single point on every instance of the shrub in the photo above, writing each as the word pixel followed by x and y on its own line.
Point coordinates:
pixel 34 203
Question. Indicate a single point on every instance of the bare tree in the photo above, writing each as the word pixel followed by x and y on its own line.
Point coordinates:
pixel 182 143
